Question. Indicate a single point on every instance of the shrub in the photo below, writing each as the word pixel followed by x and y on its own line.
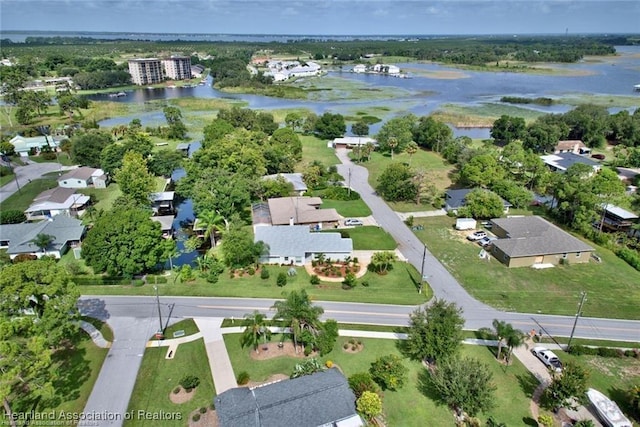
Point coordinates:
pixel 314 263
pixel 138 282
pixel 196 417
pixel 345 346
pixel 243 378
pixel 389 372
pixel 203 410
pixel 345 234
pixel 314 279
pixel 231 274
pixel 159 279
pixel 610 352
pixel 74 268
pixel 546 420
pixel 251 271
pixel 5 171
pixel 307 350
pixel 365 283
pixel 24 257
pixel 349 280
pixel 630 256
pixel 584 423
pixel 361 382
pixel 212 406
pixel 264 273
pixel 12 216
pixel 409 221
pixel 189 382
pixel 369 404
pixel 48 155
pixel 328 364
pixel 176 390
pixel 212 276
pixel 281 280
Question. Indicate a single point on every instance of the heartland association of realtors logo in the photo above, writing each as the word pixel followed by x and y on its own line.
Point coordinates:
pixel 63 418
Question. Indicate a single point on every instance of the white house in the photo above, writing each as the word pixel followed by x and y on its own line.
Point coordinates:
pixel 18 238
pixel 56 201
pixel 393 69
pixel 560 162
pixel 352 141
pixel 360 68
pixel 24 145
pixel 297 245
pixel 294 179
pixel 83 177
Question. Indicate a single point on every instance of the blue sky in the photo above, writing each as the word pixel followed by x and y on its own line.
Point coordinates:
pixel 331 17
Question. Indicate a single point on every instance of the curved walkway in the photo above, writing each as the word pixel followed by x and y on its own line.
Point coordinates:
pixel 95 334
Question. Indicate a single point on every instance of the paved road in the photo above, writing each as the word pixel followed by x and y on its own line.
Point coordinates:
pixel 25 174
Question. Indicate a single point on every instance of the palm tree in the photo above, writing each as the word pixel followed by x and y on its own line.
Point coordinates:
pixel 212 223
pixel 297 311
pixel 393 143
pixel 514 339
pixel 500 327
pixel 255 327
pixel 368 149
pixel 43 241
pixel 412 148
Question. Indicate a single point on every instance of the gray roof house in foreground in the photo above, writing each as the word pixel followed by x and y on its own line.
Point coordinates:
pixel 300 210
pixel 17 238
pixel 296 244
pixel 320 399
pixel 531 240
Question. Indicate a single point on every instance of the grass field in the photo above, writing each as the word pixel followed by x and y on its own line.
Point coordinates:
pixel 612 286
pixel 23 198
pixel 407 406
pixel 104 196
pixel 371 238
pixel 315 149
pixel 483 115
pixel 399 286
pixel 158 377
pixel 347 208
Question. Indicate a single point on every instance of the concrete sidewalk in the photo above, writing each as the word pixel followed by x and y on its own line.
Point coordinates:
pixel 219 362
pixel 96 335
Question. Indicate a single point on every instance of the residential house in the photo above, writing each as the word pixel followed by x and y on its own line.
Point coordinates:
pixel 615 218
pixel 26 145
pixel 353 141
pixel 574 146
pixel 18 238
pixel 455 199
pixel 531 240
pixel 360 68
pixel 56 201
pixel 562 161
pixel 320 399
pixel 83 177
pixel 301 210
pixel 162 202
pixel 294 179
pixel 297 244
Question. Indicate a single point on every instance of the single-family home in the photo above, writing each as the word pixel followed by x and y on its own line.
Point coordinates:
pixel 455 199
pixel 294 179
pixel 56 201
pixel 162 202
pixel 301 210
pixel 24 145
pixel 320 399
pixel 297 244
pixel 83 177
pixel 615 218
pixel 359 68
pixel 18 239
pixel 183 147
pixel 353 141
pixel 574 146
pixel 531 240
pixel 562 161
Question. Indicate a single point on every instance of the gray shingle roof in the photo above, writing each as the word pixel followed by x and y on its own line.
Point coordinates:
pixel 304 210
pixel 563 161
pixel 83 172
pixel 61 227
pixel 308 401
pixel 455 199
pixel 294 178
pixel 533 236
pixel 296 240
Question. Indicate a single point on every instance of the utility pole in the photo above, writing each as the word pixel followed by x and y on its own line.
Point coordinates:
pixel 424 256
pixel 578 314
pixel 349 183
pixel 160 333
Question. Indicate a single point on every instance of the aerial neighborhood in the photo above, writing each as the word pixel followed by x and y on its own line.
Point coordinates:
pixel 242 233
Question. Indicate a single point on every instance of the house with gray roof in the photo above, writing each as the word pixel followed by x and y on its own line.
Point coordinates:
pixel 560 162
pixel 530 240
pixel 83 177
pixel 56 201
pixel 301 210
pixel 297 244
pixel 294 179
pixel 18 238
pixel 24 145
pixel 455 199
pixel 614 218
pixel 320 399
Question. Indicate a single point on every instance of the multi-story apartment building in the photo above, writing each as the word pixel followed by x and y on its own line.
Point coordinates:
pixel 145 71
pixel 177 67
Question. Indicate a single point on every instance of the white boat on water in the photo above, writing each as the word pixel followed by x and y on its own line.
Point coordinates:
pixel 636 87
pixel 607 409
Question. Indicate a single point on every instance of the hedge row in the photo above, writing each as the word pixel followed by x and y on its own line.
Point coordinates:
pixel 603 351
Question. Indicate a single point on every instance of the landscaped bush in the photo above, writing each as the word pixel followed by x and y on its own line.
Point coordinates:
pixel 196 417
pixel 281 280
pixel 5 171
pixel 137 282
pixel 389 372
pixel 24 257
pixel 345 234
pixel 630 256
pixel 264 273
pixel 361 382
pixel 176 390
pixel 189 382
pixel 243 378
pixel 251 271
pixel 340 193
pixel 601 351
pixel 159 279
pixel 203 410
pixel 12 216
pixel 314 279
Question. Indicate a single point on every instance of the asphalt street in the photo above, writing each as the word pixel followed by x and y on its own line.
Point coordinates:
pixel 25 174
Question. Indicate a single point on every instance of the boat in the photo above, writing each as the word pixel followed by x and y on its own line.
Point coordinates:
pixel 607 409
pixel 117 95
pixel 636 87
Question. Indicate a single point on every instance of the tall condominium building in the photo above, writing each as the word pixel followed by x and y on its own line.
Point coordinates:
pixel 145 71
pixel 177 67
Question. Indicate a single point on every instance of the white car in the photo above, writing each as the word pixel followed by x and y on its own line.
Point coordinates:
pixel 477 235
pixel 486 241
pixel 352 221
pixel 548 357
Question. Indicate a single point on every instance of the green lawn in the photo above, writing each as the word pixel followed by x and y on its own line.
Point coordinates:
pixel 399 286
pixel 348 208
pixel 22 199
pixel 4 180
pixel 103 327
pixel 407 406
pixel 77 368
pixel 315 149
pixel 437 169
pixel 104 196
pixel 371 238
pixel 63 158
pixel 158 377
pixel 613 287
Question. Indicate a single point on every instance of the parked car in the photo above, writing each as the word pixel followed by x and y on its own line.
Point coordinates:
pixel 485 241
pixel 487 224
pixel 548 358
pixel 477 235
pixel 352 221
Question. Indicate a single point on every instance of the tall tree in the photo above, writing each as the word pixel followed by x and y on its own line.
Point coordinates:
pixel 124 241
pixel 432 134
pixel 360 128
pixel 177 129
pixel 435 333
pixel 87 147
pixel 395 183
pixel 465 384
pixel 299 314
pixel 411 149
pixel 507 129
pixel 238 248
pixel 134 178
pixel 213 223
pixel 255 328
pixel 568 388
pixel 28 341
pixel 330 126
pixel 398 128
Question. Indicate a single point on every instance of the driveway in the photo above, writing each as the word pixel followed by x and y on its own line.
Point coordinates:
pixel 26 174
